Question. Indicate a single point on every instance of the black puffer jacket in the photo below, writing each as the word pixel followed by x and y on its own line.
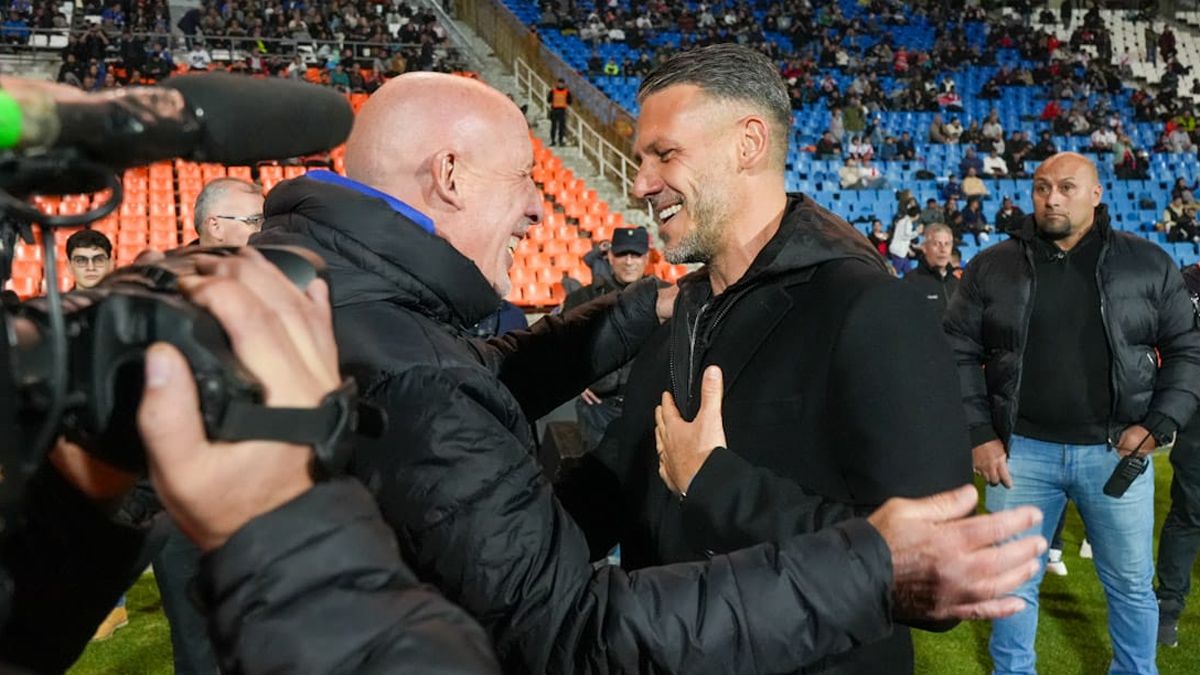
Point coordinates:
pixel 456 479
pixel 1144 306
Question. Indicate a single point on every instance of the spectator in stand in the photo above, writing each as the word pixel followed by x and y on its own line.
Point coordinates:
pixel 1179 141
pixel 905 231
pixel 827 146
pixel 905 147
pixel 995 166
pixel 611 69
pixel 970 162
pixel 1178 220
pixel 933 276
pixel 879 237
pixel 1044 149
pixel 937 131
pixel 600 404
pixel 972 134
pixel 198 59
pixel 932 213
pixel 972 185
pixel 860 149
pixel 1051 111
pixel 859 174
pixel 15 29
pixel 1103 139
pixel 992 129
pixel 953 131
pixel 1008 217
pixel 974 222
pixel 837 125
pixel 889 151
pixel 1182 190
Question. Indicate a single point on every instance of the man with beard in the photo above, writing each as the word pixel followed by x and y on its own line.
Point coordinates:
pixel 933 277
pixel 417 238
pixel 839 390
pixel 601 402
pixel 1077 347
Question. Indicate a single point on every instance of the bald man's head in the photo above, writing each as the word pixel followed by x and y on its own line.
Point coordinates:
pixel 459 152
pixel 1066 192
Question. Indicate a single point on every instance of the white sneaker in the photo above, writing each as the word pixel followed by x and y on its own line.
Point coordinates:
pixel 1085 550
pixel 1055 564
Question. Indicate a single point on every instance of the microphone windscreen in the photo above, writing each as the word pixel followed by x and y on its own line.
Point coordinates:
pixel 245 120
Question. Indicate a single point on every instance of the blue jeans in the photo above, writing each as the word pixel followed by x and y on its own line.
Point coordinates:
pixel 1121 532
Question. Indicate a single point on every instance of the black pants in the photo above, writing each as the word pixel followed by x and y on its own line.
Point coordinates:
pixel 175 566
pixel 1179 541
pixel 558 126
pixel 594 419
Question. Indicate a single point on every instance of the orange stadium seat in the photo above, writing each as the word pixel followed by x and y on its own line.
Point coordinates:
pixel 242 172
pixel 294 171
pixel 26 287
pixel 554 246
pixel 580 247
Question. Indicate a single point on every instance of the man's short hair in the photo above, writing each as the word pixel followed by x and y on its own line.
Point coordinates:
pixel 934 228
pixel 89 239
pixel 215 189
pixel 730 72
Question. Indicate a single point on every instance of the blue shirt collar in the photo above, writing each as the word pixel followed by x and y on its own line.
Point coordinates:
pixel 424 221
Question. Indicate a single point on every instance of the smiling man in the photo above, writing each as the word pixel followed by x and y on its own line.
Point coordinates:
pixel 416 237
pixel 1058 333
pixel 839 388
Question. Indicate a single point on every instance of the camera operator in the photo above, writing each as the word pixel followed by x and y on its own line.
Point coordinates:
pixel 283 555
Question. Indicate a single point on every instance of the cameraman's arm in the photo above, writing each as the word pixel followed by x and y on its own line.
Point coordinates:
pixel 284 556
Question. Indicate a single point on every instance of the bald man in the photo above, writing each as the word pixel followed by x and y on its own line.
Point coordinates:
pixel 1089 352
pixel 416 237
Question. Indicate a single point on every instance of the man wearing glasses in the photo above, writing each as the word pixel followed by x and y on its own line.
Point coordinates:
pixel 228 211
pixel 90 253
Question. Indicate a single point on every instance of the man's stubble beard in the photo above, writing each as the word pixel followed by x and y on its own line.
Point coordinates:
pixel 709 215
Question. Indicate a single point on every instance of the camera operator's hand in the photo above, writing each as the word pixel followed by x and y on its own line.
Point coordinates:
pixel 285 338
pixel 950 564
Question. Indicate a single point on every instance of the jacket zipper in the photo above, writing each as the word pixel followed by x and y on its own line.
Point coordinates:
pixel 1112 354
pixel 1012 416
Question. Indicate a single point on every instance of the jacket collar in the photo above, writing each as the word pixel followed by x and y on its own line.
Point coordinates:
pixel 808 235
pixel 375 253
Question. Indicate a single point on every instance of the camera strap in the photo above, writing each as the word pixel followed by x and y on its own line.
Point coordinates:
pixel 328 428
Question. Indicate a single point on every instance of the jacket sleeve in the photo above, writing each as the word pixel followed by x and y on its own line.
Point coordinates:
pixel 476 518
pixel 67 563
pixel 738 504
pixel 1177 387
pixel 963 325
pixel 559 356
pixel 317 586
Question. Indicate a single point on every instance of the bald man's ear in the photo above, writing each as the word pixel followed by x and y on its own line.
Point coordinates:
pixel 446 178
pixel 754 142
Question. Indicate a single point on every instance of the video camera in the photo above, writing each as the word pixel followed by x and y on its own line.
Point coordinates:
pixel 72 365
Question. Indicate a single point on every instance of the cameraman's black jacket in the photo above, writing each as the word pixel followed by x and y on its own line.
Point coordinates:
pixel 456 477
pixel 1144 306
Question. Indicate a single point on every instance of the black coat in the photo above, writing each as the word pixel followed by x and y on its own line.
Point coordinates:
pixel 456 478
pixel 839 393
pixel 329 594
pixel 320 565
pixel 937 289
pixel 1143 304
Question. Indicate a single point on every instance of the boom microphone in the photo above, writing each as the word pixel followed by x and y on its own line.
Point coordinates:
pixel 215 117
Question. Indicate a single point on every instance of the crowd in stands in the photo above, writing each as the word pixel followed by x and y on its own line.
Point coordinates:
pixel 847 61
pixel 351 45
